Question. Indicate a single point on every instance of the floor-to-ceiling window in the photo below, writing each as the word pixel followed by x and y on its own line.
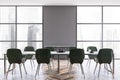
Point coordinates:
pixel 89 26
pixel 20 26
pixel 111 28
pixel 96 26
pixel 99 26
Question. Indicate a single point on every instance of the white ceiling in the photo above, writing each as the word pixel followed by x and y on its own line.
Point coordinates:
pixel 59 2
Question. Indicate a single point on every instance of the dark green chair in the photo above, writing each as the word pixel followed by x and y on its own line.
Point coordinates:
pixel 76 56
pixel 29 56
pixel 52 56
pixel 68 55
pixel 15 56
pixel 91 49
pixel 72 48
pixel 29 48
pixel 105 56
pixel 50 48
pixel 42 56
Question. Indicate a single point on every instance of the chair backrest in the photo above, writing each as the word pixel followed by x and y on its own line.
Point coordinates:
pixel 50 48
pixel 105 55
pixel 72 48
pixel 91 49
pixel 14 55
pixel 29 48
pixel 43 56
pixel 76 56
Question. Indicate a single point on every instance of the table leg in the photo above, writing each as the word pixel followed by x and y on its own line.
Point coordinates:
pixel 113 64
pixel 4 64
pixel 58 63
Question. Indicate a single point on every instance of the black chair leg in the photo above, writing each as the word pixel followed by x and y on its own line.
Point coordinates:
pixel 70 68
pixel 111 70
pixel 24 68
pixel 8 70
pixel 99 70
pixel 13 68
pixel 37 70
pixel 49 67
pixel 95 67
pixel 82 70
pixel 20 70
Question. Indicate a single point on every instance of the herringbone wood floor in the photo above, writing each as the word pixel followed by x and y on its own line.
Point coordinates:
pixel 75 74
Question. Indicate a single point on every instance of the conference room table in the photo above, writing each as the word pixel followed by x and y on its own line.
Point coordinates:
pixel 52 53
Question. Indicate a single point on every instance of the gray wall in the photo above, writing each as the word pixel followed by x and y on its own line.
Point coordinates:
pixel 59 26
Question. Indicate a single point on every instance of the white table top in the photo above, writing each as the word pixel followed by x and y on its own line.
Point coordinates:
pixel 55 52
pixel 29 52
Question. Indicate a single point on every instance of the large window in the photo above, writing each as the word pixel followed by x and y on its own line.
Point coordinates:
pixel 111 14
pixel 20 26
pixel 89 14
pixel 89 27
pixel 96 26
pixel 29 14
pixel 111 28
pixel 89 32
pixel 7 15
pixel 99 26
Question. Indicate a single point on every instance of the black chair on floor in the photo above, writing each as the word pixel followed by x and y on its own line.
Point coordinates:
pixel 72 48
pixel 42 56
pixel 68 55
pixel 52 56
pixel 15 56
pixel 105 56
pixel 29 56
pixel 76 56
pixel 91 50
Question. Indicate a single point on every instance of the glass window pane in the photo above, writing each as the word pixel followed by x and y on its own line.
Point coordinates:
pixel 29 32
pixel 88 14
pixel 111 14
pixel 4 46
pixel 7 14
pixel 89 32
pixel 84 45
pixel 29 14
pixel 22 45
pixel 113 45
pixel 7 32
pixel 111 32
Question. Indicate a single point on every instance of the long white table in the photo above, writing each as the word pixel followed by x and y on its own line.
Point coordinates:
pixel 52 53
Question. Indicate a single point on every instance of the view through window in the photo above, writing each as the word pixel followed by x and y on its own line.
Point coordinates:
pixel 96 26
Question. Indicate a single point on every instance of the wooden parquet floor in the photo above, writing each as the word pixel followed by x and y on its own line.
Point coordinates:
pixel 45 74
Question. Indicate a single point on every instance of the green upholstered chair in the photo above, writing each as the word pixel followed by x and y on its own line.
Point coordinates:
pixel 29 56
pixel 105 56
pixel 15 56
pixel 91 49
pixel 50 48
pixel 68 55
pixel 76 56
pixel 29 48
pixel 42 56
